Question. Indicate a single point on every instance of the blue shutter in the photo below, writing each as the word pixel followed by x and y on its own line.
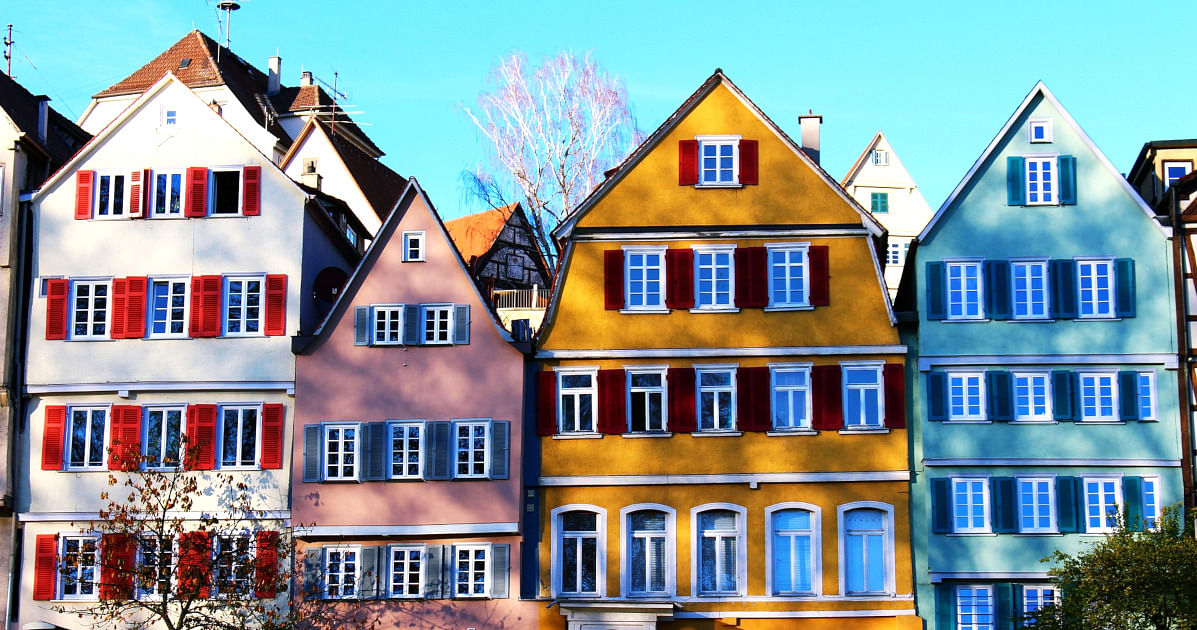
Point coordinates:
pixel 1063 279
pixel 413 328
pixel 1068 510
pixel 1007 607
pixel 1128 395
pixel 1005 504
pixel 1124 283
pixel 1020 618
pixel 438 451
pixel 941 505
pixel 361 326
pixel 311 453
pixel 1062 395
pixel 500 445
pixel 461 324
pixel 1132 499
pixel 1067 180
pixel 997 289
pixel 936 291
pixel 1015 188
pixel 945 607
pixel 999 386
pixel 937 396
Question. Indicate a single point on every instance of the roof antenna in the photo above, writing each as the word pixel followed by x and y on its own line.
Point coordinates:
pixel 228 6
pixel 8 51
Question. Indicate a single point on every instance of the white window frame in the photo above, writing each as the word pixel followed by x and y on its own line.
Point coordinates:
pixel 92 320
pixel 990 604
pixel 556 551
pixel 663 390
pixel 472 423
pixel 964 377
pixel 392 429
pixel 170 116
pixel 1102 309
pixel 1151 509
pixel 440 313
pixel 670 562
pixel 240 408
pixel 103 213
pixel 69 437
pixel 326 437
pixel 243 564
pixel 212 171
pixel 804 268
pixel 169 192
pixel 146 438
pixel 357 571
pixel 1145 380
pixel 967 298
pixel 487 558
pixel 816 548
pixel 1045 124
pixel 1042 161
pixel 1038 598
pixel 741 549
pixel 1031 416
pixel 719 140
pixel 858 390
pixel 413 240
pixel 788 390
pixel 714 305
pixel 1116 507
pixel 969 484
pixel 1043 294
pixel 143 561
pixel 879 157
pixel 387 313
pixel 243 319
pixel 1052 509
pixel 644 250
pixel 419 550
pixel 153 308
pixel 730 388
pixel 61 578
pixel 1097 376
pixel 887 544
pixel 894 254
pixel 1167 182
pixel 577 392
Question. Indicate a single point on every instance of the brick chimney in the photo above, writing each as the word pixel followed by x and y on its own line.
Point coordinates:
pixel 274 75
pixel 810 124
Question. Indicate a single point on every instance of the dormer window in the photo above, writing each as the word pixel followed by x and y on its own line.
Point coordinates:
pixel 1039 130
pixel 880 157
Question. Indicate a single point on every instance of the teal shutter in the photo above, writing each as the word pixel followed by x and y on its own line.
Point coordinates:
pixel 936 291
pixel 1004 510
pixel 999 386
pixel 438 451
pixel 997 289
pixel 361 326
pixel 941 505
pixel 500 445
pixel 1067 180
pixel 1128 395
pixel 500 561
pixel 1062 395
pixel 945 607
pixel 311 453
pixel 937 396
pixel 1132 498
pixel 1124 283
pixel 1068 512
pixel 1063 279
pixel 1006 606
pixel 461 324
pixel 1016 190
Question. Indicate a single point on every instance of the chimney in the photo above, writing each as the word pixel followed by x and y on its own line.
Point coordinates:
pixel 810 134
pixel 43 116
pixel 273 76
pixel 311 180
pixel 306 78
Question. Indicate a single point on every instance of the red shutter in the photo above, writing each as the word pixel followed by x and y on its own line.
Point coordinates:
pixel 136 198
pixel 679 278
pixel 124 438
pixel 748 162
pixel 137 287
pixel 828 398
pixel 276 304
pixel 612 390
pixel 687 162
pixel 53 436
pixel 200 453
pixel 45 567
pixel 266 564
pixel 251 191
pixel 120 308
pixel 820 276
pixel 58 291
pixel 195 202
pixel 752 399
pixel 272 436
pixel 195 559
pixel 682 418
pixel 205 305
pixel 895 395
pixel 83 191
pixel 613 279
pixel 118 553
pixel 751 277
pixel 146 178
pixel 546 402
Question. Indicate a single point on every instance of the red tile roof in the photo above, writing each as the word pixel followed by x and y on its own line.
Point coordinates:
pixel 474 234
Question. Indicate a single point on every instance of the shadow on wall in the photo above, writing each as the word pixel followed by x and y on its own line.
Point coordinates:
pixel 421 614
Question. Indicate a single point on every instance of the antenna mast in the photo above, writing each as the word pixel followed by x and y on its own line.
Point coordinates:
pixel 228 6
pixel 8 51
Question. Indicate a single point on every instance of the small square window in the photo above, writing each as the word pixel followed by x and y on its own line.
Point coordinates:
pixel 880 157
pixel 438 323
pixel 718 160
pixel 1175 170
pixel 413 246
pixel 879 203
pixel 388 325
pixel 90 308
pixel 863 404
pixel 1039 130
pixel 1035 597
pixel 171 117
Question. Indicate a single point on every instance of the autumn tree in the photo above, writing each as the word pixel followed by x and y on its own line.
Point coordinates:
pixel 552 131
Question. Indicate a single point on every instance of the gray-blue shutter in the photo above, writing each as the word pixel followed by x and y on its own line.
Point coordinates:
pixel 435 572
pixel 997 289
pixel 1004 510
pixel 311 453
pixel 1063 279
pixel 438 451
pixel 313 573
pixel 1124 281
pixel 1000 393
pixel 941 505
pixel 1068 508
pixel 1132 497
pixel 499 563
pixel 376 464
pixel 1062 408
pixel 500 446
pixel 412 325
pixel 1067 180
pixel 461 324
pixel 936 291
pixel 1016 190
pixel 1003 595
pixel 369 568
pixel 1128 395
pixel 937 396
pixel 362 330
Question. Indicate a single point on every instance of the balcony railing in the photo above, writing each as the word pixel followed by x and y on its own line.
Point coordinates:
pixel 520 298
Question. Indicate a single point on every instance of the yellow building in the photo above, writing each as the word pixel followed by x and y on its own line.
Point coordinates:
pixel 721 397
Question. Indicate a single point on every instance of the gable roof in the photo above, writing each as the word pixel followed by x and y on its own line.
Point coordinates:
pixel 474 234
pixel 380 185
pixel 651 142
pixel 63 137
pixel 1040 89
pixel 305 99
pixel 860 161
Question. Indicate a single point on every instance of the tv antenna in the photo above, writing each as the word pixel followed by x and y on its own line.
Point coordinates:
pixel 228 6
pixel 8 51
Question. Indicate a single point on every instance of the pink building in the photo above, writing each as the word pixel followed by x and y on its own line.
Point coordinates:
pixel 406 479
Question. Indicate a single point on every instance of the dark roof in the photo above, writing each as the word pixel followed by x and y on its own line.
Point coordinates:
pixel 1149 147
pixel 63 137
pixel 378 183
pixel 313 98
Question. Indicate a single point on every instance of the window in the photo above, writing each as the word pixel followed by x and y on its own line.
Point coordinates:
pixel 1036 597
pixel 1036 505
pixel 170 117
pixel 716 399
pixel 91 309
pixel 1041 180
pixel 1145 386
pixel 880 157
pixel 974 608
pixel 719 160
pixel 243 306
pixel 896 253
pixel 438 323
pixel 644 275
pixel 168 194
pixel 233 569
pixel 163 437
pixel 110 195
pixel 168 308
pixel 788 282
pixel 471 447
pixel 793 545
pixel 1151 501
pixel 1030 289
pixel 79 573
pixel 239 437
pixel 1103 496
pixel 867 543
pixel 388 325
pixel 580 557
pixel 86 439
pixel 340 571
pixel 791 398
pixel 1095 281
pixel 158 555
pixel 226 191
pixel 1099 396
pixel 577 400
pixel 646 400
pixel 719 552
pixel 1174 171
pixel 964 290
pixel 413 246
pixel 879 203
pixel 470 570
pixel 407 575
pixel 1039 130
pixel 862 396
pixel 648 552
pixel 340 452
pixel 970 506
pixel 966 396
pixel 1031 400
pixel 406 461
pixel 713 271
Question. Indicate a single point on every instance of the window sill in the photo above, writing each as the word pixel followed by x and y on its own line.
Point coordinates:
pixel 868 431
pixel 157 337
pixel 1100 421
pixel 239 468
pixel 783 432
pixel 971 534
pixel 91 339
pixel 1032 422
pixel 644 311
pixel 969 422
pixel 731 185
pixel 1080 318
pixel 965 320
pixel 1095 534
pixel 83 470
pixel 784 307
pixel 721 309
pixel 1037 534
pixel 578 436
pixel 716 434
pixel 1030 320
pixel 647 434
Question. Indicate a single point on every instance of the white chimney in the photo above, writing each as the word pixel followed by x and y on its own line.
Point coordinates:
pixel 273 75
pixel 311 180
pixel 306 78
pixel 810 134
pixel 43 116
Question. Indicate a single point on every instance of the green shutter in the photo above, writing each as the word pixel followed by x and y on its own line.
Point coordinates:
pixel 1020 617
pixel 1068 512
pixel 1128 395
pixel 937 396
pixel 936 291
pixel 1016 190
pixel 1004 510
pixel 1062 395
pixel 1063 279
pixel 1067 180
pixel 1124 281
pixel 999 385
pixel 1006 606
pixel 997 289
pixel 941 505
pixel 945 607
pixel 1132 498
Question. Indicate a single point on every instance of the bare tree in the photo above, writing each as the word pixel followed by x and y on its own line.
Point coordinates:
pixel 553 130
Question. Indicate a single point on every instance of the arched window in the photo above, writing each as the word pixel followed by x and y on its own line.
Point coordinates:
pixel 794 552
pixel 648 552
pixel 579 552
pixel 866 540
pixel 719 556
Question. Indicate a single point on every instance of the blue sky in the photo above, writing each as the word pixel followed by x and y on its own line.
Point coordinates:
pixel 939 79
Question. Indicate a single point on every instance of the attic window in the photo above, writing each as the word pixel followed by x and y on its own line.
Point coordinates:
pixel 184 62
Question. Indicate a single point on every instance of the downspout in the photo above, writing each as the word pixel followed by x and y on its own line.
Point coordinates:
pixel 1180 238
pixel 19 314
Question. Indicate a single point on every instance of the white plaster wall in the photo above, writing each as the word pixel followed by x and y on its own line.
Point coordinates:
pixel 335 177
